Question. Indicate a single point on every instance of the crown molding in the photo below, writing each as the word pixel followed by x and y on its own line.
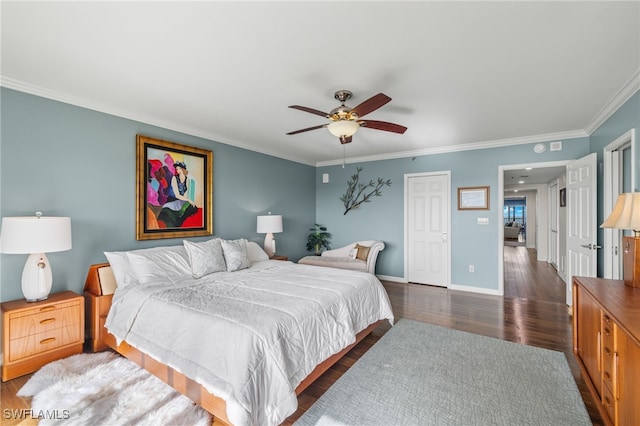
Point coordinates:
pixel 623 95
pixel 549 137
pixel 32 89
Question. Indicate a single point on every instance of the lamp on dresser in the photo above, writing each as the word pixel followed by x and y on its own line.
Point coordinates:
pixel 626 215
pixel 269 225
pixel 35 235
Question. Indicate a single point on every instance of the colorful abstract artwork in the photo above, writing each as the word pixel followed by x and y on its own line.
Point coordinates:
pixel 174 190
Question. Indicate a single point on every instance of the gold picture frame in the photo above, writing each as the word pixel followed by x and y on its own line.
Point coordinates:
pixel 174 190
pixel 473 198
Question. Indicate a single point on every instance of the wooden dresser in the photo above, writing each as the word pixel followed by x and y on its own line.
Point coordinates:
pixel 37 333
pixel 606 342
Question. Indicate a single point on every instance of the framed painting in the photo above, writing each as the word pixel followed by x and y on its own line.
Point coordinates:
pixel 174 190
pixel 473 198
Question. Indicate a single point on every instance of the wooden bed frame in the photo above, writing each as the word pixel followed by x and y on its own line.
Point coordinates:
pixel 97 305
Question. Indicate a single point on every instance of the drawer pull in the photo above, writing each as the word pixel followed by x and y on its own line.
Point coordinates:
pixel 47 321
pixel 599 352
pixel 607 376
pixel 606 318
pixel 48 340
pixel 48 308
pixel 607 331
pixel 607 402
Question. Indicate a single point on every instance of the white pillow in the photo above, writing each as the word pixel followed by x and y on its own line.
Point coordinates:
pixel 151 265
pixel 174 259
pixel 255 252
pixel 235 254
pixel 121 267
pixel 353 253
pixel 205 257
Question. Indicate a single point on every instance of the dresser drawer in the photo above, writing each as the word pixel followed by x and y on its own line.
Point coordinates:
pixel 608 403
pixel 46 319
pixel 42 342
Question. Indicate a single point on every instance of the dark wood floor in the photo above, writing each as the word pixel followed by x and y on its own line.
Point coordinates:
pixel 532 312
pixel 540 318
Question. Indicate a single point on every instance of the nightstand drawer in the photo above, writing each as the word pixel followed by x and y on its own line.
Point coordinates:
pixel 42 342
pixel 39 321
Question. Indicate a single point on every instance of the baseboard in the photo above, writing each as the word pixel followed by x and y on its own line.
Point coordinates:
pixel 490 291
pixel 390 278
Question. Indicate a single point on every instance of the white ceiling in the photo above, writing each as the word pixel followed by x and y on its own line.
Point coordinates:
pixel 459 73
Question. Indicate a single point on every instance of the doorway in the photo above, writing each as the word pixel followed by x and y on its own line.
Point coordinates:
pixel 524 268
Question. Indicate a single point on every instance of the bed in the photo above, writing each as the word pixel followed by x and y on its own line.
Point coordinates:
pixel 243 340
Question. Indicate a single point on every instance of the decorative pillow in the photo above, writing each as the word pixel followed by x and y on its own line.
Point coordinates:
pixel 151 265
pixel 255 252
pixel 363 252
pixel 205 257
pixel 353 252
pixel 235 254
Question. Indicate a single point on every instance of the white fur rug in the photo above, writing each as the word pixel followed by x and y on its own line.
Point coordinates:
pixel 106 389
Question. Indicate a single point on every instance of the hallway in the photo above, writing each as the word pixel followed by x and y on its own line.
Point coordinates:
pixel 526 277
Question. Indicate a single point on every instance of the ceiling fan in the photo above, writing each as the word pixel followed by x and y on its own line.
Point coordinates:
pixel 346 121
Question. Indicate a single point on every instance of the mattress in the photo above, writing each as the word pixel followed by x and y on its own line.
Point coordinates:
pixel 250 336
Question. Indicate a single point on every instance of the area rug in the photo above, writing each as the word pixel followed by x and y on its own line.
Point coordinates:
pixel 420 374
pixel 106 389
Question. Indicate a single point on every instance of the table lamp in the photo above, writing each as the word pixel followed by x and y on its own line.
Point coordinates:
pixel 626 215
pixel 35 235
pixel 270 225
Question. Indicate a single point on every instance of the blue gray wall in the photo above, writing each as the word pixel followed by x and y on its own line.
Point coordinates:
pixel 383 217
pixel 70 161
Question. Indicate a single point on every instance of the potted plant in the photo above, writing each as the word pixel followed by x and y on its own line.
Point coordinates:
pixel 318 239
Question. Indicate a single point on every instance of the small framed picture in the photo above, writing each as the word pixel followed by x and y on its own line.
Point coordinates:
pixel 473 198
pixel 174 187
pixel 563 197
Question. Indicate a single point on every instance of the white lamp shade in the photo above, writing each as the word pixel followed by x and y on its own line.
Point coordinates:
pixel 343 128
pixel 270 224
pixel 31 234
pixel 626 213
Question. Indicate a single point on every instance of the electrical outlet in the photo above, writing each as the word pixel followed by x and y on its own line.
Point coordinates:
pixel 472 268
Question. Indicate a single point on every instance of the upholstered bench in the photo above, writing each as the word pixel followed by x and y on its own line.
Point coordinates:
pixel 358 256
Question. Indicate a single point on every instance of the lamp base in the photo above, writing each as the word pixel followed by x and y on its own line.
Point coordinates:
pixel 631 261
pixel 269 244
pixel 36 278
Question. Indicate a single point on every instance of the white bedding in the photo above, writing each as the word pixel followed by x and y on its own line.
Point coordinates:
pixel 250 336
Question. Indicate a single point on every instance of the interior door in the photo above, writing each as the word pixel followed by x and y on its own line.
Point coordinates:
pixel 582 228
pixel 427 221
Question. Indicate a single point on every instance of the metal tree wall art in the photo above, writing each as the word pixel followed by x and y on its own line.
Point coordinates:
pixel 358 193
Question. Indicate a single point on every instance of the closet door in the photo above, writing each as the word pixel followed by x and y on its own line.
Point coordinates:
pixel 427 221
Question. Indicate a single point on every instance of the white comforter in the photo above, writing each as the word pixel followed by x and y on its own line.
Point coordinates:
pixel 250 336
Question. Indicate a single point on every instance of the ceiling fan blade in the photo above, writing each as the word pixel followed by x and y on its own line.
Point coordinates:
pixel 307 129
pixel 383 125
pixel 371 104
pixel 311 110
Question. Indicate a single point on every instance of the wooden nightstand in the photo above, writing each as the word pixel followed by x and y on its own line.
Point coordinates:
pixel 37 333
pixel 279 257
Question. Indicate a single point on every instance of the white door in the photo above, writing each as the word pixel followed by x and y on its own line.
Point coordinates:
pixel 553 224
pixel 427 219
pixel 582 228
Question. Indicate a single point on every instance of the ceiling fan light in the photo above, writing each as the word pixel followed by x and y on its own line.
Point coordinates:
pixel 343 128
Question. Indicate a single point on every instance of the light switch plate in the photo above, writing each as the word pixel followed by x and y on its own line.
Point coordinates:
pixel 483 221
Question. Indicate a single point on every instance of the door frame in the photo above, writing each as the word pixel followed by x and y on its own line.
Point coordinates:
pixel 447 266
pixel 611 191
pixel 540 205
